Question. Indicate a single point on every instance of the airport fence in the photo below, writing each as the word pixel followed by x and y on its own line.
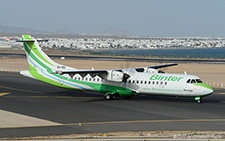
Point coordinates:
pixel 213 84
pixel 11 69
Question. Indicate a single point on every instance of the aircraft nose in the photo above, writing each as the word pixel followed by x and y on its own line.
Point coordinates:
pixel 208 89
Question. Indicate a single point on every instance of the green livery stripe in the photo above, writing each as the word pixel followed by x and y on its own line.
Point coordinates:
pixel 167 90
pixel 103 88
pixel 26 37
pixel 203 85
pixel 38 61
pixel 38 76
pixel 35 50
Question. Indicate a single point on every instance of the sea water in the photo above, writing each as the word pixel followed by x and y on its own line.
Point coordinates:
pixel 178 53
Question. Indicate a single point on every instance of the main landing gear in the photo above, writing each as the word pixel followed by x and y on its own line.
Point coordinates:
pixel 198 99
pixel 109 96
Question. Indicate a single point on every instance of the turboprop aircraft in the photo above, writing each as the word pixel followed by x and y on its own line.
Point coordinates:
pixel 125 82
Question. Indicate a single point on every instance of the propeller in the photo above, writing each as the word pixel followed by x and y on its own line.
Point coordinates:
pixel 125 71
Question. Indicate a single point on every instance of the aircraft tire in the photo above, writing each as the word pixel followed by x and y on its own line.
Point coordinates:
pixel 109 97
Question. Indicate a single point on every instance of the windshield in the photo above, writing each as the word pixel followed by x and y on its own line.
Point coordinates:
pixel 194 81
pixel 199 81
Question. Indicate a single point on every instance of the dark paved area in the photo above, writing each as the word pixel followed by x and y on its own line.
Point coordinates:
pixel 40 100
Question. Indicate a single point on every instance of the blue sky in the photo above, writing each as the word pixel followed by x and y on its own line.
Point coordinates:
pixel 152 18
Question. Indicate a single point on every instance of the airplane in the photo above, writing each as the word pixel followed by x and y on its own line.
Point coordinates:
pixel 126 82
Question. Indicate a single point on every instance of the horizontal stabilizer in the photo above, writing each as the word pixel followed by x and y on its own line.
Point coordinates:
pixel 31 40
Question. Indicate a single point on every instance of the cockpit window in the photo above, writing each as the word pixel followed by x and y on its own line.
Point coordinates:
pixel 194 81
pixel 189 80
pixel 199 81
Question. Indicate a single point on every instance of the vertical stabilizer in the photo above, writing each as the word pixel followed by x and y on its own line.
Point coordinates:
pixel 37 59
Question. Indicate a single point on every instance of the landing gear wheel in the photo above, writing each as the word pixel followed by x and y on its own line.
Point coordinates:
pixel 109 97
pixel 198 99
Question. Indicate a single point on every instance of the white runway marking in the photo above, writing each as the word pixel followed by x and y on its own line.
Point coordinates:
pixel 10 119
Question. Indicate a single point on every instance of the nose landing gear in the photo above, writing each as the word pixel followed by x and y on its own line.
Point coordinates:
pixel 198 99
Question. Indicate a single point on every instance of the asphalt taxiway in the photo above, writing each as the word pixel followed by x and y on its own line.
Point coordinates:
pixel 58 111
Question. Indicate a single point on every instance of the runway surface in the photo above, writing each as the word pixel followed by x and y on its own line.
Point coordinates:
pixel 62 112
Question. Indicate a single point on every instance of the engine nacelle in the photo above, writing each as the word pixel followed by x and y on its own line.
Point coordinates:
pixel 151 70
pixel 148 70
pixel 114 75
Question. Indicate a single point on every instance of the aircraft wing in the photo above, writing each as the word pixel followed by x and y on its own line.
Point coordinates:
pixel 111 75
pixel 154 68
pixel 163 66
pixel 83 71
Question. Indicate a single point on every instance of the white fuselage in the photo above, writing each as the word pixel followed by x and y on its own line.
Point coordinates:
pixel 157 84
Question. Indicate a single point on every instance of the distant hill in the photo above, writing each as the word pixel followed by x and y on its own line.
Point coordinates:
pixel 63 31
pixel 115 32
pixel 19 30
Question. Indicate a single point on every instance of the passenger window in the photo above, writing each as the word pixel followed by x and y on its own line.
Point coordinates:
pixel 165 83
pixel 157 83
pixel 89 79
pixel 149 82
pixel 93 79
pixel 153 82
pixel 137 81
pixel 141 82
pixel 133 81
pixel 145 82
pixel 161 83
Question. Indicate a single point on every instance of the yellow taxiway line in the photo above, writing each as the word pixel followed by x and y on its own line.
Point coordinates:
pixel 57 97
pixel 220 93
pixel 3 94
pixel 22 90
